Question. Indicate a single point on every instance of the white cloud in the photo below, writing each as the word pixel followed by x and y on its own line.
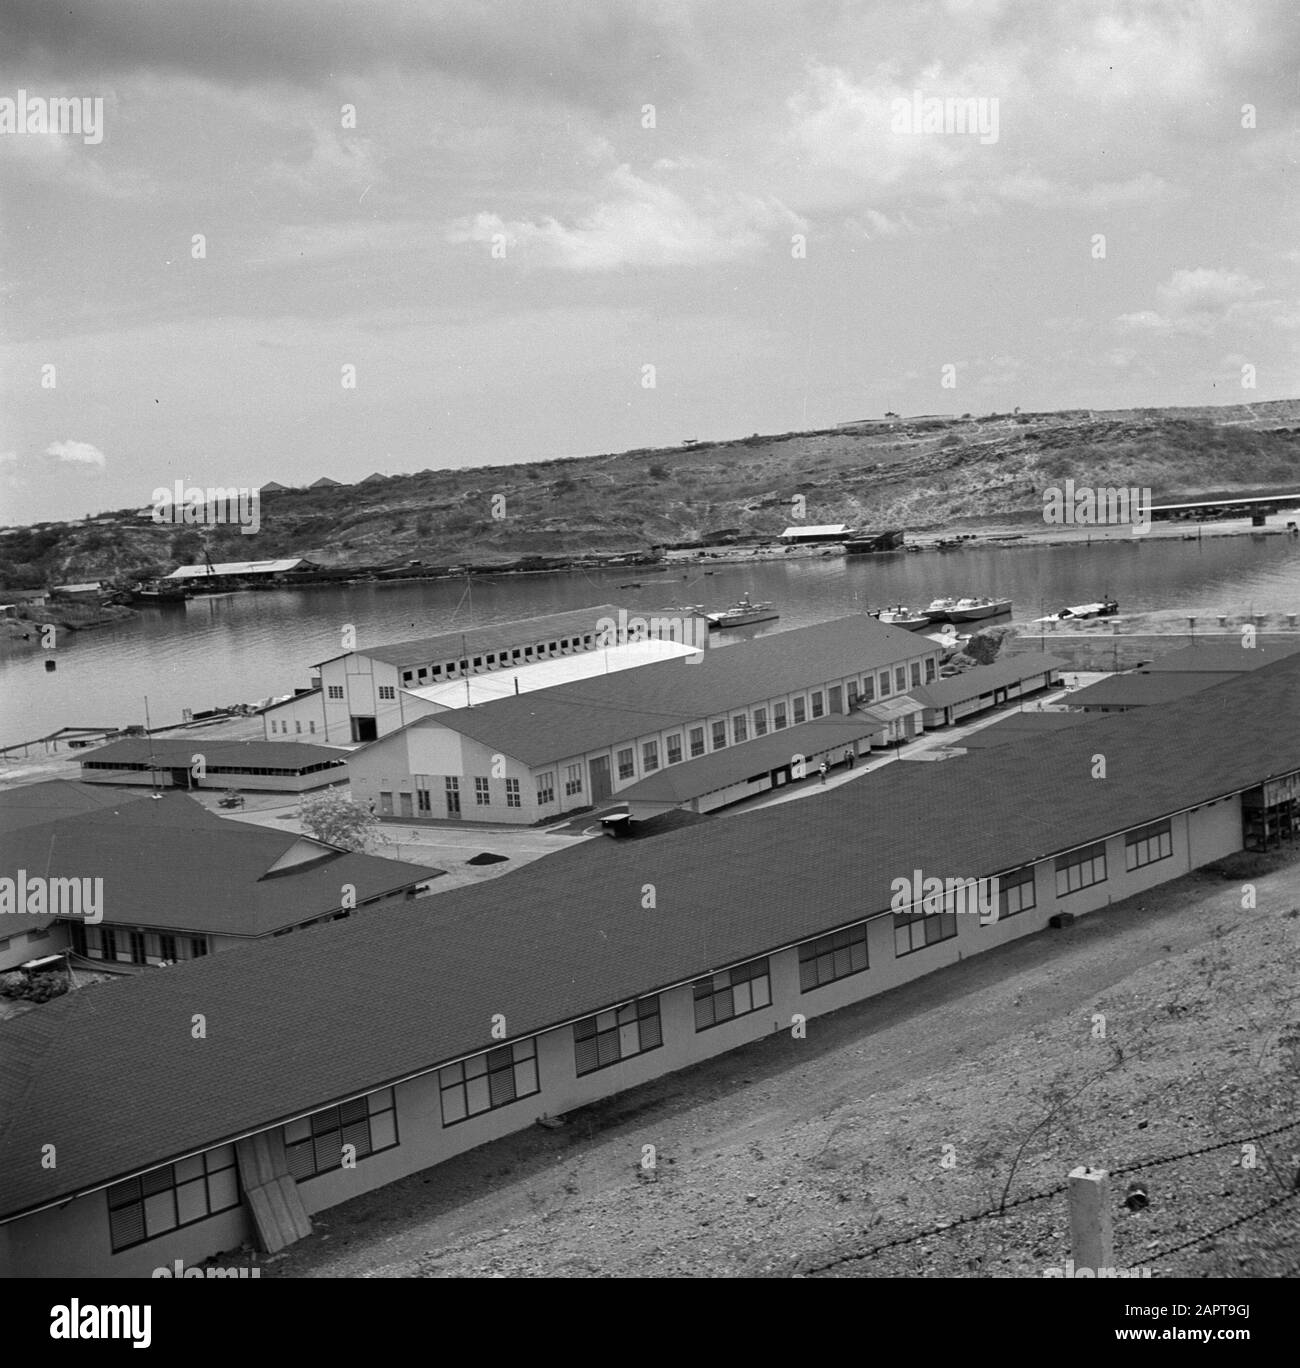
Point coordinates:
pixel 638 224
pixel 1195 301
pixel 81 453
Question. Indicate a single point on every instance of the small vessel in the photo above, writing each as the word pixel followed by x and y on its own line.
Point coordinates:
pixel 909 619
pixel 966 609
pixel 158 591
pixel 866 543
pixel 742 613
pixel 1107 608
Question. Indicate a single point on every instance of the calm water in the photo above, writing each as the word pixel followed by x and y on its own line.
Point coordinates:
pixel 243 647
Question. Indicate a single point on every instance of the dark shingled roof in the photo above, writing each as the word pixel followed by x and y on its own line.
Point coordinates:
pixel 1139 690
pixel 1228 657
pixel 287 755
pixel 1021 726
pixel 493 636
pixel 170 865
pixel 32 804
pixel 549 725
pixel 112 1076
pixel 982 679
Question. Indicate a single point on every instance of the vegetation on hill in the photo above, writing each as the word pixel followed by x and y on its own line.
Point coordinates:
pixel 918 474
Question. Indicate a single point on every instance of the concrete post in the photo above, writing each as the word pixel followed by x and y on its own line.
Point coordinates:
pixel 1091 1242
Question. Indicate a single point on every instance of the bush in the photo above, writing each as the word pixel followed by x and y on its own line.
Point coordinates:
pixel 34 987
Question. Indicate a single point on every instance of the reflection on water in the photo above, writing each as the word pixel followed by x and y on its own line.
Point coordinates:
pixel 237 648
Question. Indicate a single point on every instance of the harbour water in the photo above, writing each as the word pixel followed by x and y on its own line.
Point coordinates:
pixel 238 648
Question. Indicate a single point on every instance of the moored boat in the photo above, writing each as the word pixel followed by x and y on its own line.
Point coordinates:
pixel 742 613
pixel 909 619
pixel 966 609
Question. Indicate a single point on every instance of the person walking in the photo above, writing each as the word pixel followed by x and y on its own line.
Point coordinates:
pixel 822 769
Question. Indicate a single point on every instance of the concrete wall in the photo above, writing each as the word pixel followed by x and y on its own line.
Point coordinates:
pixel 74 1241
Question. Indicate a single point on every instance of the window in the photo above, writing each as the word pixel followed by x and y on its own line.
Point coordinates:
pixel 832 957
pixel 166 947
pixel 760 721
pixel 916 930
pixel 621 1033
pixel 851 690
pixel 732 993
pixel 929 670
pixel 799 713
pixel 513 797
pixel 719 735
pixel 818 703
pixel 572 780
pixel 739 729
pixel 778 716
pixel 406 676
pixel 76 935
pixel 546 787
pixel 336 690
pixel 491 659
pixel 1148 844
pixel 869 689
pixel 884 684
pixel 1081 869
pixel 488 1081
pixel 675 749
pixel 311 726
pixel 482 792
pixel 478 662
pixel 198 947
pixel 650 756
pixel 835 698
pixel 315 1144
pixel 697 741
pixel 387 691
pixel 916 673
pixel 1016 892
pixel 626 764
pixel 175 1195
pixel 423 798
pixel 137 948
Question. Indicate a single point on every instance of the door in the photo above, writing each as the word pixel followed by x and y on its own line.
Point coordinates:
pixel 364 729
pixel 601 787
pixel 453 796
pixel 405 800
pixel 181 777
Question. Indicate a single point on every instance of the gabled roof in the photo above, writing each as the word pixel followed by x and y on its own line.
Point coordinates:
pixel 982 679
pixel 1228 657
pixel 301 1022
pixel 1139 689
pixel 34 804
pixel 325 483
pixel 165 752
pixel 750 759
pixel 553 724
pixel 492 636
pixel 169 864
pixel 264 567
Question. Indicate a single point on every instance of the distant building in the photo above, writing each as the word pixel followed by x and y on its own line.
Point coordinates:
pixel 325 483
pixel 260 765
pixel 78 592
pixel 229 573
pixel 273 487
pixel 376 478
pixel 831 532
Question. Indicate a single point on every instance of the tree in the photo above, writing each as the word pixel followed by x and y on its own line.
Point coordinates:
pixel 333 817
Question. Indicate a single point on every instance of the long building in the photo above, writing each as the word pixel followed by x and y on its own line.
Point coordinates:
pixel 336 1062
pixel 527 758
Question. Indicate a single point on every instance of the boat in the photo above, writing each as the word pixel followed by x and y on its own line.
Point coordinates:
pixel 909 619
pixel 867 543
pixel 966 609
pixel 742 613
pixel 158 591
pixel 1081 611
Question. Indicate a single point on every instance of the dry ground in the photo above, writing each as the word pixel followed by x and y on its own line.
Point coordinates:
pixel 786 1155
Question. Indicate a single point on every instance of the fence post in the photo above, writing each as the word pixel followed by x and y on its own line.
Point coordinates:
pixel 1091 1242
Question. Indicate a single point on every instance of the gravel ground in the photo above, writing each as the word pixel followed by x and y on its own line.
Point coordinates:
pixel 795 1157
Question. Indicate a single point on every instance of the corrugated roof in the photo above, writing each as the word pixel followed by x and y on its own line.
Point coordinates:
pixel 945 693
pixel 265 567
pixel 300 1022
pixel 830 529
pixel 169 864
pixel 1138 690
pixel 693 778
pixel 492 636
pixel 570 719
pixel 474 690
pixel 288 755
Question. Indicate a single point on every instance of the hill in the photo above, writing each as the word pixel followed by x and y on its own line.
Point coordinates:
pixel 919 474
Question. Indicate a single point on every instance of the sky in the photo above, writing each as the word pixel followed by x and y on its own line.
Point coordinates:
pixel 320 237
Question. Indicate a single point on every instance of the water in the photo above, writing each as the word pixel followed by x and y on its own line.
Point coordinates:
pixel 239 648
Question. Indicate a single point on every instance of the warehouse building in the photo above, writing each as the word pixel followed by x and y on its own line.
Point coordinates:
pixel 528 758
pixel 988 686
pixel 178 1152
pixel 206 762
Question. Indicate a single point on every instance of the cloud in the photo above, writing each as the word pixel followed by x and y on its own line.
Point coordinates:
pixel 1195 301
pixel 638 224
pixel 82 453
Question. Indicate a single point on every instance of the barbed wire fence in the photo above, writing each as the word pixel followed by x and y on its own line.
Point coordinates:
pixel 958 1222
